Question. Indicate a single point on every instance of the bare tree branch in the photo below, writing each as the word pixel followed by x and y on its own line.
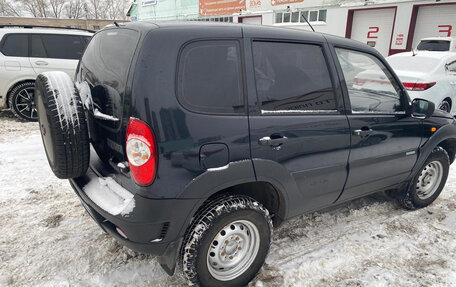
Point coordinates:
pixel 57 7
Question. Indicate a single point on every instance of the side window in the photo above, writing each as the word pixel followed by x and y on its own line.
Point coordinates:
pixel 292 77
pixel 16 45
pixel 63 46
pixel 371 87
pixel 210 77
pixel 38 50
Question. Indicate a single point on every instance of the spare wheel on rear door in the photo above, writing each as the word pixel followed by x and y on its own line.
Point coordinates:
pixel 62 124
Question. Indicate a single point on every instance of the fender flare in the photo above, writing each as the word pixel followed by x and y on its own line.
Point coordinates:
pixel 443 133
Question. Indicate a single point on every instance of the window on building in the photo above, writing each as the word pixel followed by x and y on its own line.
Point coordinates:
pixel 322 15
pixel 313 16
pixel 15 45
pixel 228 19
pixel 300 16
pixel 295 17
pixel 278 17
pixel 209 77
pixel 292 77
pixel 96 27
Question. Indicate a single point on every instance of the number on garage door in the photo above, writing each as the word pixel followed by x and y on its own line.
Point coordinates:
pixel 371 34
pixel 445 29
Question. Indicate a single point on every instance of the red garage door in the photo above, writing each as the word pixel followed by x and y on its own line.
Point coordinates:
pixel 432 21
pixel 372 26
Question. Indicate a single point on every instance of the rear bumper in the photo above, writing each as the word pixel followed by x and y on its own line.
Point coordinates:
pixel 153 226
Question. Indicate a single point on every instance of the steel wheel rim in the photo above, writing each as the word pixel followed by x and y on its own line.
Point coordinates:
pixel 233 250
pixel 429 180
pixel 25 103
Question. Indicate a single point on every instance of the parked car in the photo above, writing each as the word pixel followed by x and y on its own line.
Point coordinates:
pixel 27 52
pixel 428 75
pixel 209 133
pixel 438 44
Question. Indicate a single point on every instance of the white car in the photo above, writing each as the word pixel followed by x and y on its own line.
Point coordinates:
pixel 27 52
pixel 437 44
pixel 428 75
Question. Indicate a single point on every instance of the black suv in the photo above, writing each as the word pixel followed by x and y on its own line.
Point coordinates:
pixel 204 135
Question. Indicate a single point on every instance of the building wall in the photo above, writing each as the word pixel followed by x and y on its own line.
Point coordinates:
pixel 73 23
pixel 339 15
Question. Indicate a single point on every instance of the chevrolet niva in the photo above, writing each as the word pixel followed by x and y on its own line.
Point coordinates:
pixel 190 140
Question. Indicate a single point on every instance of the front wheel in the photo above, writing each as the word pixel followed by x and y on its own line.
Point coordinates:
pixel 227 243
pixel 429 181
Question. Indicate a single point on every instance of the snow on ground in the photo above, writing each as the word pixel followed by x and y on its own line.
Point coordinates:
pixel 47 239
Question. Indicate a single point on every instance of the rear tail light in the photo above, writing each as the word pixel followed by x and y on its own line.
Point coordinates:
pixel 141 148
pixel 418 86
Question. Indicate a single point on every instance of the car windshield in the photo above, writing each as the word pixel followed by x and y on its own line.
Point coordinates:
pixel 433 45
pixel 413 63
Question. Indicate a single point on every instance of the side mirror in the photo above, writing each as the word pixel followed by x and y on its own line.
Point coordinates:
pixel 422 109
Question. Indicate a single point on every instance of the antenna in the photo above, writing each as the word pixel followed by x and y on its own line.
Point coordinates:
pixel 413 52
pixel 302 15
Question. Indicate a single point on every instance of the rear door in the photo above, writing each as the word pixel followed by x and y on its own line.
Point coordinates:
pixel 384 140
pixel 299 132
pixel 55 52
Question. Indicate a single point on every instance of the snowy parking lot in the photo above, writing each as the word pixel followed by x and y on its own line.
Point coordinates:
pixel 47 239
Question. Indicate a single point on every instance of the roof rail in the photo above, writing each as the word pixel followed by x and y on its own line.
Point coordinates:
pixel 43 26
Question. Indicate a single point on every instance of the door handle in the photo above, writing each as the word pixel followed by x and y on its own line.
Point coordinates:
pixel 363 132
pixel 41 63
pixel 268 141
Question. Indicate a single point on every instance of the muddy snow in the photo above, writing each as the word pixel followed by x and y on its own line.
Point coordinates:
pixel 47 239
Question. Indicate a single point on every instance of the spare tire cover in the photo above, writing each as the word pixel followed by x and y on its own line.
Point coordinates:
pixel 62 124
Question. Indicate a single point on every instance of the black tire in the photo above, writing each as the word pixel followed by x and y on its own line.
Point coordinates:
pixel 414 198
pixel 62 124
pixel 218 215
pixel 445 106
pixel 22 102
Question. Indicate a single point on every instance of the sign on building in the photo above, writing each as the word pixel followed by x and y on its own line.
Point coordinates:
pixel 148 3
pixel 220 7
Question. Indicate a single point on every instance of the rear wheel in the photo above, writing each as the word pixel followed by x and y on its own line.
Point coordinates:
pixel 445 106
pixel 22 101
pixel 227 243
pixel 429 181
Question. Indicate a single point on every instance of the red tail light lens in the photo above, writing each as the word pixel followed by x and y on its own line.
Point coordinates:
pixel 418 86
pixel 141 149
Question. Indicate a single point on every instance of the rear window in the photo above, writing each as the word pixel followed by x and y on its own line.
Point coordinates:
pixel 15 45
pixel 434 45
pixel 210 77
pixel 105 67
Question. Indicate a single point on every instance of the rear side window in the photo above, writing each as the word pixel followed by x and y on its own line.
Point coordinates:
pixel 292 77
pixel 15 45
pixel 63 46
pixel 38 50
pixel 210 77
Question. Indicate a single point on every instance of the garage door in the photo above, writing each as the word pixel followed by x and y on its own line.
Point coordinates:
pixel 432 21
pixel 256 20
pixel 374 27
